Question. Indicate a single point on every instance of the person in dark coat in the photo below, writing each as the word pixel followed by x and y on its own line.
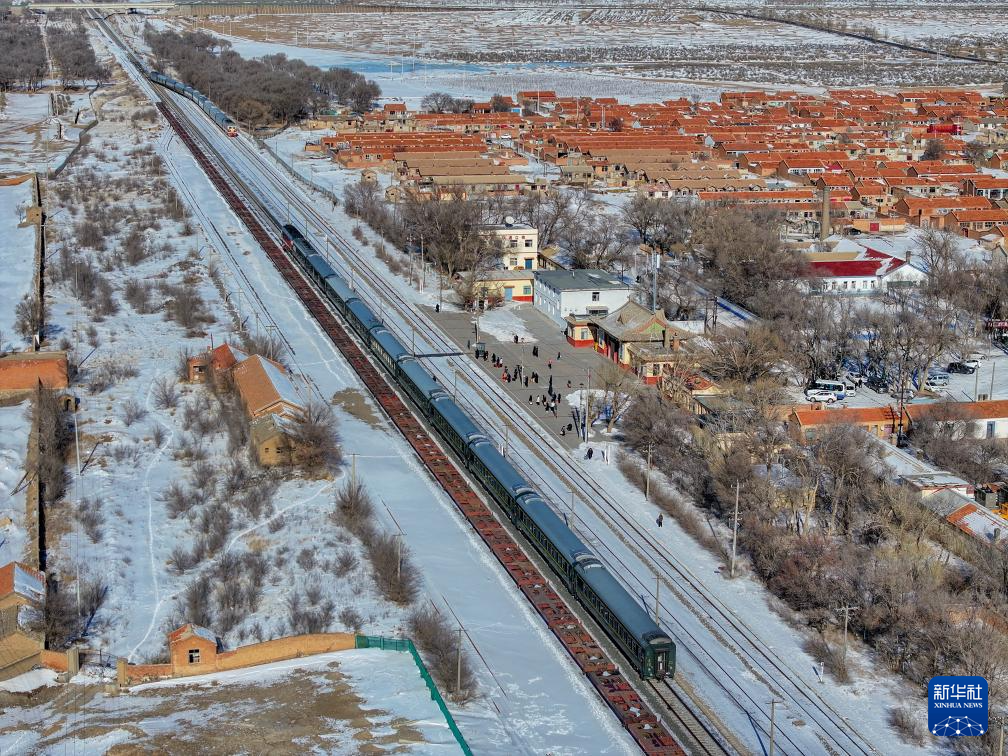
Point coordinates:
pixel 660 519
pixel 530 399
pixel 591 453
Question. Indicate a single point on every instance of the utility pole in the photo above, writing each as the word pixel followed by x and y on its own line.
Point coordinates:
pixel 976 385
pixel 846 618
pixel 734 537
pixel 991 394
pixel 458 663
pixel 647 479
pixel 1001 737
pixel 353 469
pixel 657 604
pixel 654 285
pixel 773 723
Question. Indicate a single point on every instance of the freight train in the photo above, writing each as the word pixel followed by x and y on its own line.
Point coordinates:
pixel 648 648
pixel 219 117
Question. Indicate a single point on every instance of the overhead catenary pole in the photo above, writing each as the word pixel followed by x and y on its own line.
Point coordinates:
pixel 846 619
pixel 773 723
pixel 458 662
pixel 657 602
pixel 734 538
pixel 647 478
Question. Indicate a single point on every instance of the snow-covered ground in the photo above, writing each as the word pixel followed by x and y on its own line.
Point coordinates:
pixel 31 138
pixel 17 255
pixel 14 428
pixel 334 703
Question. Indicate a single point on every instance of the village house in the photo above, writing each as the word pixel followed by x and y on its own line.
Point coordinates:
pixel 22 594
pixel 989 417
pixel 213 363
pixel 860 271
pixel 805 424
pixel 265 388
pixel 273 440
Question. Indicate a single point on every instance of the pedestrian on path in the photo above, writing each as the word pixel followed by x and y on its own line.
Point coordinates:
pixel 526 381
pixel 530 399
pixel 468 344
pixel 591 453
pixel 516 338
pixel 535 350
pixel 558 356
pixel 660 519
pixel 549 364
pixel 538 402
pixel 563 431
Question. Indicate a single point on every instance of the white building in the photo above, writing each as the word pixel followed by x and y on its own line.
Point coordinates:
pixel 560 293
pixel 519 242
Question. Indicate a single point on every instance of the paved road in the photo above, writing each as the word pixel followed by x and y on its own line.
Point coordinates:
pixel 572 366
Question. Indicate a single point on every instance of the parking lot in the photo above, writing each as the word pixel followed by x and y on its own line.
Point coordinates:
pixel 990 381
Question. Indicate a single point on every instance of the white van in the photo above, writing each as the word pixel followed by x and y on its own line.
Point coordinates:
pixel 838 388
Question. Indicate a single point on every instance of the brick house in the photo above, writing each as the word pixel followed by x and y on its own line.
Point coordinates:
pixel 213 363
pixel 272 440
pixel 265 388
pixel 22 593
pixel 804 424
pixel 192 648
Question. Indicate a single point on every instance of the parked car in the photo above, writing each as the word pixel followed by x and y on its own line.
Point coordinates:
pixel 818 395
pixel 963 368
pixel 934 388
pixel 906 395
pixel 972 362
pixel 937 379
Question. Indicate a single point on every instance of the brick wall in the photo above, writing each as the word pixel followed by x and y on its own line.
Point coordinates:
pixel 54 660
pixel 279 649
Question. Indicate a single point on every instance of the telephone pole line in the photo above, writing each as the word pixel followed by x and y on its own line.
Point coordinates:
pixel 846 619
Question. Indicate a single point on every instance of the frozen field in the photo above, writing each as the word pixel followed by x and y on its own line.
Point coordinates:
pixel 670 45
pixel 331 703
pixel 17 256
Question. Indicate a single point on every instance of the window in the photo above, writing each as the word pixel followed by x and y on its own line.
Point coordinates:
pixel 514 261
pixel 595 296
pixel 194 656
pixel 512 243
pixel 528 244
pixel 990 428
pixel 526 290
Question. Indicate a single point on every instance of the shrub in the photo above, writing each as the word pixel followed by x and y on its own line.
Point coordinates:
pixel 165 393
pixel 354 508
pixel 395 575
pixel 178 499
pixel 351 620
pixel 907 725
pixel 90 516
pixel 439 644
pixel 132 412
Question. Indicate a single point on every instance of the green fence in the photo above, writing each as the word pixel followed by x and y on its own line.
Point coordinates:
pixel 405 644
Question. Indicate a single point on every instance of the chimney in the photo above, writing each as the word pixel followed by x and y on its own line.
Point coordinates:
pixel 825 226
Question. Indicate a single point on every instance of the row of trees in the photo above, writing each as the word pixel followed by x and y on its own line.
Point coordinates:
pixel 259 91
pixel 23 63
pixel 73 55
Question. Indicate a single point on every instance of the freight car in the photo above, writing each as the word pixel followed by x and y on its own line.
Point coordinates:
pixel 219 117
pixel 648 648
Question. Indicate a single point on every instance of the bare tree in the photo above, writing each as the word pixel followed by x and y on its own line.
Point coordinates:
pixel 598 241
pixel 314 439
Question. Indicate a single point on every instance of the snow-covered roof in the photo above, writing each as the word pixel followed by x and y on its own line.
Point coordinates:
pixel 283 385
pixel 27 584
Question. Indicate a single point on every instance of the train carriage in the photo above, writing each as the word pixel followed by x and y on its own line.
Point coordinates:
pixel 624 619
pixel 550 535
pixel 339 292
pixel 361 318
pixel 320 268
pixel 384 344
pixel 419 384
pixel 498 475
pixel 454 424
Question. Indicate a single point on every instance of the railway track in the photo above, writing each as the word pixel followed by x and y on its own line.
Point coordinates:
pixel 642 724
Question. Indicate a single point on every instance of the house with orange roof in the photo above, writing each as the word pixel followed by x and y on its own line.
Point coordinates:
pixel 932 211
pixel 265 388
pixel 989 417
pixel 976 223
pixel 806 423
pixel 991 187
pixel 22 595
